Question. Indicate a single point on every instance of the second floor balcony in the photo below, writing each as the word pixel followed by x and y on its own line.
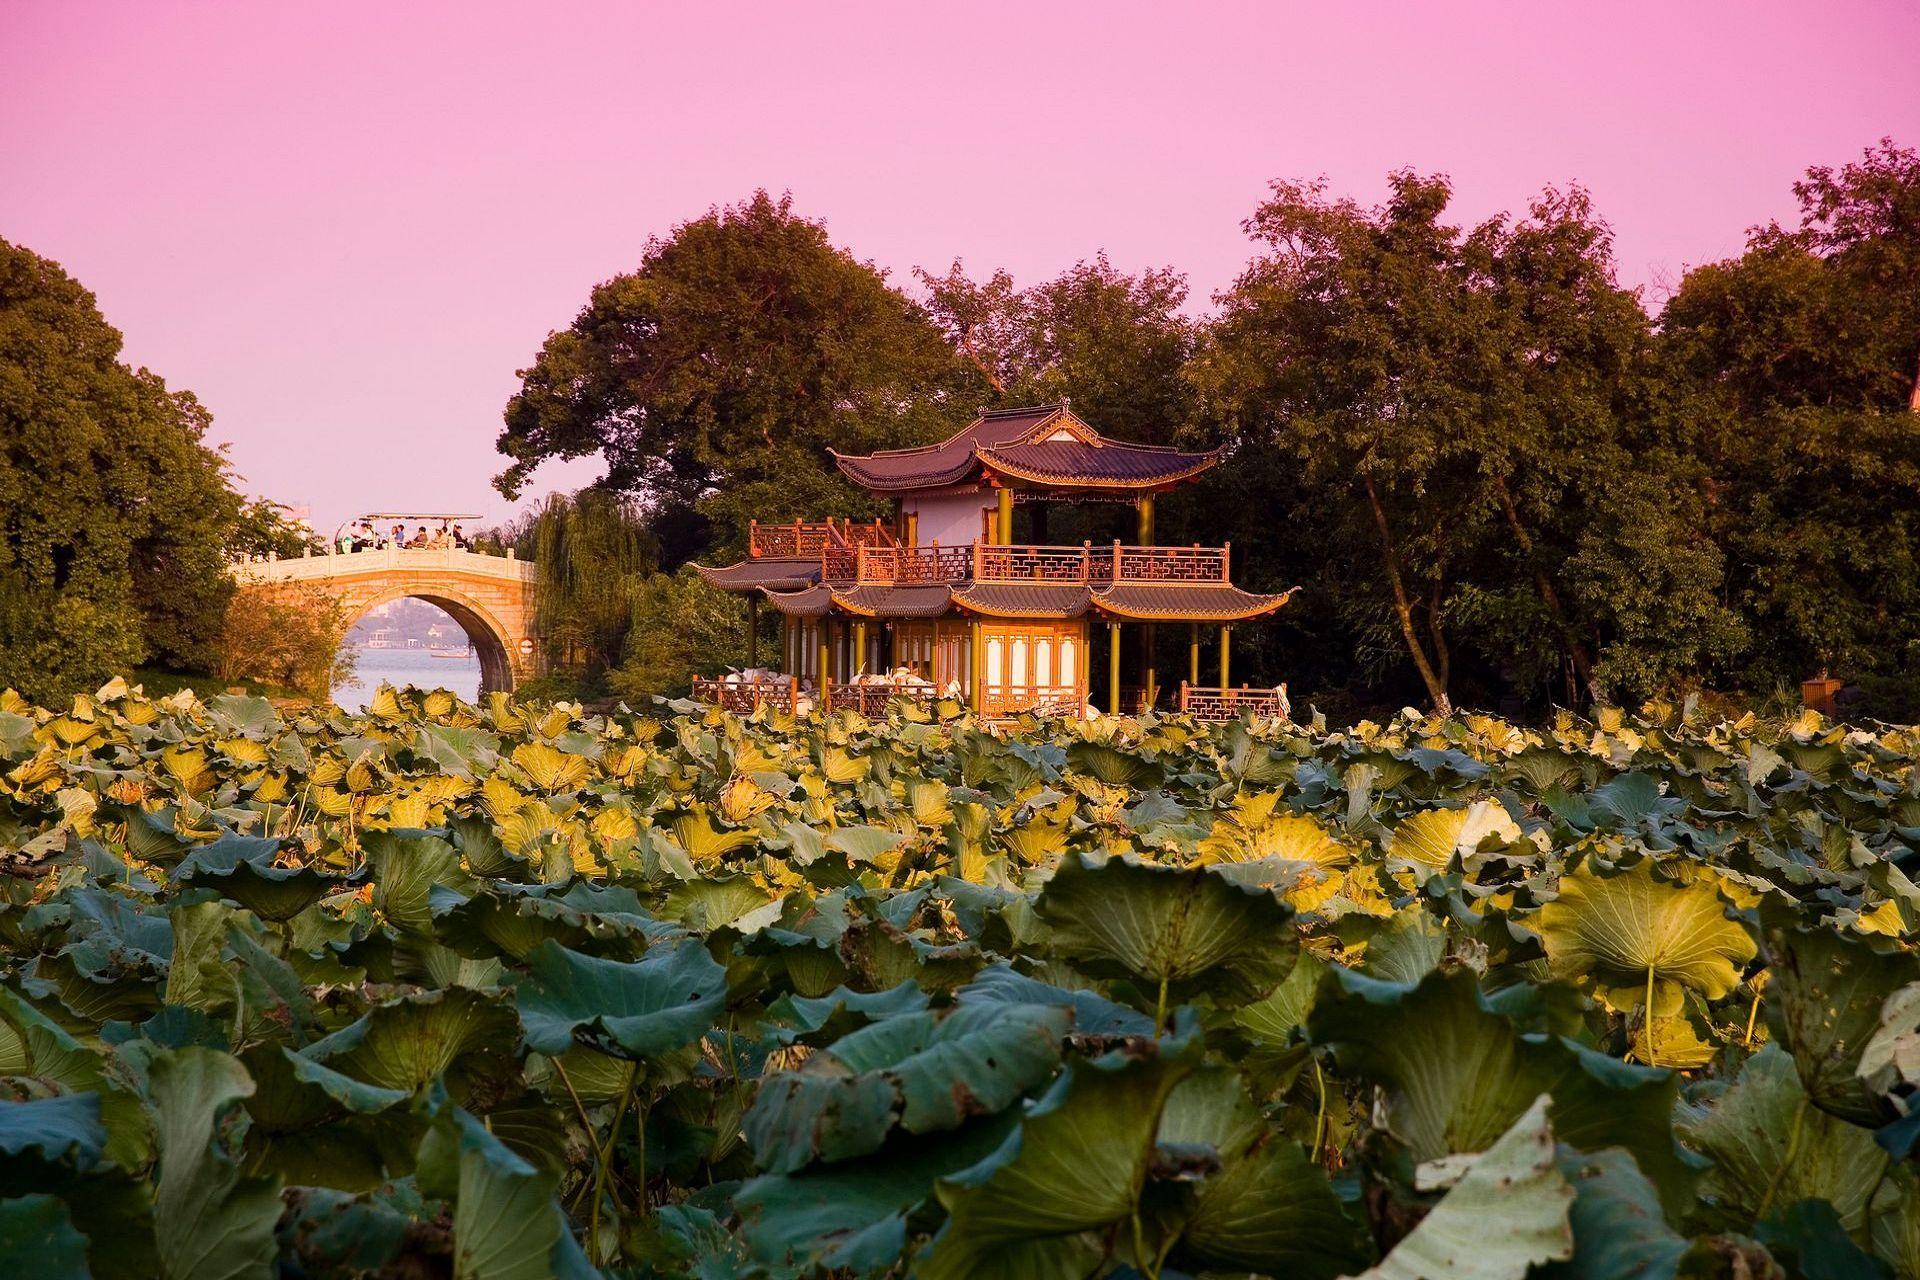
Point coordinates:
pixel 983 562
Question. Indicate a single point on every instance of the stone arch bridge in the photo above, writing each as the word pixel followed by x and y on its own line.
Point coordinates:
pixel 491 597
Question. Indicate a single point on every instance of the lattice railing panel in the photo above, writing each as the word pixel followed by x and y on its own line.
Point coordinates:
pixel 1203 703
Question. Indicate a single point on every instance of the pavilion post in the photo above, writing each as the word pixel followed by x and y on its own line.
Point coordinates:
pixel 1193 653
pixel 1113 668
pixel 1148 680
pixel 825 656
pixel 1143 522
pixel 977 669
pixel 1003 523
pixel 753 632
pixel 859 648
pixel 1226 652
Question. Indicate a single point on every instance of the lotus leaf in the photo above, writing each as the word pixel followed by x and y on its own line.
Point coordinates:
pixel 1630 932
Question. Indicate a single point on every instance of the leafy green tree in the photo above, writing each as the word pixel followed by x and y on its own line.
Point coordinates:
pixel 264 527
pixel 714 378
pixel 681 627
pixel 1447 414
pixel 1798 360
pixel 113 510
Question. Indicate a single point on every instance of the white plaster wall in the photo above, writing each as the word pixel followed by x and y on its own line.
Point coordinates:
pixel 952 519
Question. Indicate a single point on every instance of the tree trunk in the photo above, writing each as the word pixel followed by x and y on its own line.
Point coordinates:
pixel 1576 649
pixel 1403 606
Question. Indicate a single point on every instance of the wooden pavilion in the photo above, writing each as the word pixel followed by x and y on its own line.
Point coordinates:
pixel 943 594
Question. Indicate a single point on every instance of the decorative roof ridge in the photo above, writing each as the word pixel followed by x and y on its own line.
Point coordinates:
pixel 980 416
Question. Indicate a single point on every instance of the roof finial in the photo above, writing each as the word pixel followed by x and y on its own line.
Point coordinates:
pixel 979 411
pixel 1066 402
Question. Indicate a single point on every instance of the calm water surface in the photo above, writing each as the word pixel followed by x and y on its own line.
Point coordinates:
pixel 401 667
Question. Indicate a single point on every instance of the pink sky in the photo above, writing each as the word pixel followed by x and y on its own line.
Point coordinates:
pixel 345 226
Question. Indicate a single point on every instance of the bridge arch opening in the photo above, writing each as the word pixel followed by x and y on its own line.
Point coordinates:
pixel 488 638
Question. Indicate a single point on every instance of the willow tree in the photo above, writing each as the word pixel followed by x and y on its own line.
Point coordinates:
pixel 592 551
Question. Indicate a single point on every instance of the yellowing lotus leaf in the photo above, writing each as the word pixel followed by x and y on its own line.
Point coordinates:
pixel 627 763
pixel 1432 837
pixel 437 704
pixel 243 750
pixel 842 767
pixel 610 825
pixel 72 732
pixel 500 798
pixel 703 841
pixel 385 704
pixel 407 811
pixel 551 769
pixel 742 800
pixel 1621 932
pixel 332 802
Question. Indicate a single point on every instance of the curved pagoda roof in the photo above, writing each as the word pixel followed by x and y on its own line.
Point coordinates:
pixel 1042 446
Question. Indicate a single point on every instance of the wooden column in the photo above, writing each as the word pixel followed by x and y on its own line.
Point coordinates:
pixel 913 529
pixel 859 648
pixel 1149 679
pixel 977 668
pixel 1226 646
pixel 1143 523
pixel 824 675
pixel 1113 668
pixel 753 631
pixel 1003 521
pixel 1193 653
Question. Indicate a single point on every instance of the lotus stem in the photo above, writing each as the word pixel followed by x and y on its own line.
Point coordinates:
pixel 1653 1054
pixel 1752 1013
pixel 1160 1008
pixel 1320 1114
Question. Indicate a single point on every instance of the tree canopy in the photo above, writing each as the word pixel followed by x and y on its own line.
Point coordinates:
pixel 114 511
pixel 1500 475
pixel 714 377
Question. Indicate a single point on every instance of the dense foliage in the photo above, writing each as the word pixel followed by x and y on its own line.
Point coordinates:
pixel 517 991
pixel 114 512
pixel 1502 477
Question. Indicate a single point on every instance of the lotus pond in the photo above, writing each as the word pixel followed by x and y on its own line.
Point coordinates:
pixel 505 991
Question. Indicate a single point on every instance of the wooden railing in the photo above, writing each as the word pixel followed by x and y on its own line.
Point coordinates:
pixel 1210 703
pixel 1086 563
pixel 743 697
pixel 909 566
pixel 1040 700
pixel 870 698
pixel 1170 564
pixel 808 538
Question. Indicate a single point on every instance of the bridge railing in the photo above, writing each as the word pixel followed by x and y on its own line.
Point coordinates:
pixel 330 563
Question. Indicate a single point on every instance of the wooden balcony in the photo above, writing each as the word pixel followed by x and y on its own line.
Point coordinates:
pixel 912 566
pixel 1102 565
pixel 891 565
pixel 809 538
